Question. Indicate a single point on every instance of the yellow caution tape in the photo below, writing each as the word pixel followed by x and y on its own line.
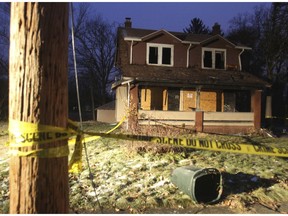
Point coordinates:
pixel 204 144
pixel 54 152
pixel 75 163
pixel 32 135
pixel 23 134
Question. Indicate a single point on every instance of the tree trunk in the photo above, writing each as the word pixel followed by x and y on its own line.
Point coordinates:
pixel 38 94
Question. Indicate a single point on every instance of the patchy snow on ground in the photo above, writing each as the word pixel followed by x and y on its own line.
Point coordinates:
pixel 135 177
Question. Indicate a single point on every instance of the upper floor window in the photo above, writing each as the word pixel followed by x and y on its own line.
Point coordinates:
pixel 213 58
pixel 160 54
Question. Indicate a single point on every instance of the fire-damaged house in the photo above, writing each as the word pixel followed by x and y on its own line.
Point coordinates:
pixel 192 80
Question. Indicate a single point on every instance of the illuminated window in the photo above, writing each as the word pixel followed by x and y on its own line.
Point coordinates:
pixel 160 54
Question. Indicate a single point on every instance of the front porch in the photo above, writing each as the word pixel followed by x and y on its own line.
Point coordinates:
pixel 203 111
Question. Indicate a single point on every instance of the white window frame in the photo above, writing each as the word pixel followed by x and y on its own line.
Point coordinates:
pixel 213 50
pixel 160 49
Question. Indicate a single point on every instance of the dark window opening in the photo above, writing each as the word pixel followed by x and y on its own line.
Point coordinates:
pixel 207 59
pixel 173 99
pixel 219 60
pixel 166 56
pixel 229 101
pixel 238 101
pixel 157 98
pixel 153 55
pixel 243 101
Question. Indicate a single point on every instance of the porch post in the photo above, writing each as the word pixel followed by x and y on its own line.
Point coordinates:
pixel 199 118
pixel 133 111
pixel 256 108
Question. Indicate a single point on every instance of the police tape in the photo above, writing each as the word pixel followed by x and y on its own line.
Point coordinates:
pixel 204 144
pixel 23 134
pixel 75 163
pixel 28 140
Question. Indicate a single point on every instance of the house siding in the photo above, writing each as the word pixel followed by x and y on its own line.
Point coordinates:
pixel 140 50
pixel 121 102
pixel 232 54
pixel 122 57
pixel 139 53
pixel 180 51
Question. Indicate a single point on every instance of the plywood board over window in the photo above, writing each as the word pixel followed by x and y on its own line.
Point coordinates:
pixel 145 99
pixel 189 100
pixel 208 101
pixel 153 98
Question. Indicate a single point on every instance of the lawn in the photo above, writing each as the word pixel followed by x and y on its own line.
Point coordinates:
pixel 134 176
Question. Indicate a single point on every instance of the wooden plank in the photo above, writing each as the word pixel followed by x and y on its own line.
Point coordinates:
pixel 167 115
pixel 228 116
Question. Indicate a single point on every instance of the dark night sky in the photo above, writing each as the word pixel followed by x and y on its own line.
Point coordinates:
pixel 172 16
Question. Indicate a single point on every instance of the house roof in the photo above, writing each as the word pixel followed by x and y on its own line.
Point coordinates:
pixel 107 106
pixel 189 77
pixel 143 34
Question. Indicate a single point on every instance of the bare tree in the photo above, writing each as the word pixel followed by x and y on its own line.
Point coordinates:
pixel 266 31
pixel 95 48
pixel 274 42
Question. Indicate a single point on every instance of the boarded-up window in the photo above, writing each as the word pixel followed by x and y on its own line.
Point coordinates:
pixel 145 99
pixel 208 101
pixel 151 98
pixel 189 100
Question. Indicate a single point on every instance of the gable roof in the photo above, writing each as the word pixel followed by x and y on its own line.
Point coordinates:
pixel 137 34
pixel 162 31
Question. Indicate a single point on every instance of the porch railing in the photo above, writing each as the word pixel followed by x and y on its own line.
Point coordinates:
pixel 151 117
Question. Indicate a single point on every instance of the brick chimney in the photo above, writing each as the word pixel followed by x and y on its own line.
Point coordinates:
pixel 128 23
pixel 216 29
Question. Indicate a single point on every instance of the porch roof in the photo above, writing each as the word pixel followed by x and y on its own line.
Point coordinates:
pixel 189 77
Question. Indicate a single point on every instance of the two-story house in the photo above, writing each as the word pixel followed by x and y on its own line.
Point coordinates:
pixel 185 79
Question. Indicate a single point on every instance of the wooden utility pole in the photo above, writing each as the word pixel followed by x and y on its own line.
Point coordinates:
pixel 38 94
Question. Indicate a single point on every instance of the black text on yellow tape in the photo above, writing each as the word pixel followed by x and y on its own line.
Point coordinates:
pixel 25 134
pixel 205 144
pixel 29 134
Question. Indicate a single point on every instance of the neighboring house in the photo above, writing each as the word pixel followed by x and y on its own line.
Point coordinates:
pixel 185 79
pixel 106 113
